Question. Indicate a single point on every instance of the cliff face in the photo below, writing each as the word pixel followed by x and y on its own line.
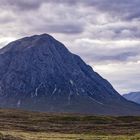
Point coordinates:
pixel 39 73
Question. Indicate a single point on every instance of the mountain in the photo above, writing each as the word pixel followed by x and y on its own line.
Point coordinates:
pixel 133 96
pixel 39 73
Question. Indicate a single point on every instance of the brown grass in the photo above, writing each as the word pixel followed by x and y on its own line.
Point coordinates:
pixel 68 123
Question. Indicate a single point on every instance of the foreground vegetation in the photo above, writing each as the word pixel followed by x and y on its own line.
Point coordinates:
pixel 21 125
pixel 14 135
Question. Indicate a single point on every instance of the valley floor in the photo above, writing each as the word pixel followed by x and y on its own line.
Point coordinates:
pixel 23 125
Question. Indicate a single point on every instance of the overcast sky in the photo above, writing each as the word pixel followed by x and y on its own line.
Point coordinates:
pixel 105 33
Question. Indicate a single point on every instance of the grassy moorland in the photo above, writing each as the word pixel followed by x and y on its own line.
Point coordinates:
pixel 22 125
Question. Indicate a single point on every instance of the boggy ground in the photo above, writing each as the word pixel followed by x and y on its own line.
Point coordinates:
pixel 23 125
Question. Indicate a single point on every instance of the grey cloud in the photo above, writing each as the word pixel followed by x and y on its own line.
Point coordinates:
pixel 27 5
pixel 124 9
pixel 109 58
pixel 134 15
pixel 41 20
pixel 124 76
pixel 116 31
pixel 22 4
pixel 124 56
pixel 104 54
pixel 121 9
pixel 6 17
pixel 60 28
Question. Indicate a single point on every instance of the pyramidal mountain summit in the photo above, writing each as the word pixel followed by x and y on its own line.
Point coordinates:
pixel 39 73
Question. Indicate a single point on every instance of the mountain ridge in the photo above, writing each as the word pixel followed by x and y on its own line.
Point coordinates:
pixel 133 96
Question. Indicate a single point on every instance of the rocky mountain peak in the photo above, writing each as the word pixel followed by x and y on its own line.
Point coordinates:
pixel 40 73
pixel 29 42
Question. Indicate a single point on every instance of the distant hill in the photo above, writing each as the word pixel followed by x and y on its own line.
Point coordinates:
pixel 133 96
pixel 40 73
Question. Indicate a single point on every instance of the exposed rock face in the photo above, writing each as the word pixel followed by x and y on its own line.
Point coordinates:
pixel 39 73
pixel 133 96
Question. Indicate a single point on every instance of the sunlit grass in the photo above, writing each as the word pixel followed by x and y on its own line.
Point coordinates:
pixel 60 136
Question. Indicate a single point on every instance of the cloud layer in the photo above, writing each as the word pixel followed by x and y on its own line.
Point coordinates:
pixel 105 33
